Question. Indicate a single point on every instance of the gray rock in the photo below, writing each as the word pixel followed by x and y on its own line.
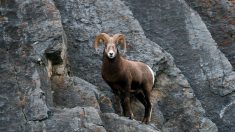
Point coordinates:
pixel 50 74
pixel 215 66
pixel 175 95
pixel 25 34
pixel 77 93
pixel 218 16
pixel 227 113
pixel 78 119
pixel 180 31
pixel 36 108
pixel 115 123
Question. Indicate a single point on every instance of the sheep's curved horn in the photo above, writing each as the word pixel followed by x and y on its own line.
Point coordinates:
pixel 99 38
pixel 120 39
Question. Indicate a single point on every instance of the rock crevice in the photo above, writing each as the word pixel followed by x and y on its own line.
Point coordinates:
pixel 180 31
pixel 51 70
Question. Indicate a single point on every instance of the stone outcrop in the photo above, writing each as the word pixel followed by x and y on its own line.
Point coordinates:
pixel 219 17
pixel 115 123
pixel 50 73
pixel 77 119
pixel 188 40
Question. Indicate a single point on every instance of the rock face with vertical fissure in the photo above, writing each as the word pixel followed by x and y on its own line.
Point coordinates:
pixel 180 31
pixel 219 17
pixel 51 78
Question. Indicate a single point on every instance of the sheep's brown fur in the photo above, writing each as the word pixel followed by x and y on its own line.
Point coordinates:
pixel 126 77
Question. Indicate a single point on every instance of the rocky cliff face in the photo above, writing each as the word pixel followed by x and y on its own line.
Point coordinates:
pixel 219 16
pixel 50 73
pixel 180 31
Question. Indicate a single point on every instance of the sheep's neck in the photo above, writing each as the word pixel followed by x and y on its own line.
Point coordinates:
pixel 112 67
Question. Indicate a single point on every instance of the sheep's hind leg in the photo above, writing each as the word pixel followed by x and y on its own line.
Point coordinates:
pixel 148 107
pixel 141 98
pixel 123 107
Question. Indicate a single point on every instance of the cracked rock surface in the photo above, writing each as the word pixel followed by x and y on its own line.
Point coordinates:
pixel 180 30
pixel 219 16
pixel 50 73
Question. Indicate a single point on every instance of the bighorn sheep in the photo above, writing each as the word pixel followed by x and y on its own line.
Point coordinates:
pixel 125 77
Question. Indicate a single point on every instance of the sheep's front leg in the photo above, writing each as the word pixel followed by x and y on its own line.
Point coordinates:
pixel 126 106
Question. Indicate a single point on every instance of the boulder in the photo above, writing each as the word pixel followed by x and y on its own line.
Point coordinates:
pixel 115 123
pixel 77 119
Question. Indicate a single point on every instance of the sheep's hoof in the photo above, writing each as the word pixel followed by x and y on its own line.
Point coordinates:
pixel 146 120
pixel 131 116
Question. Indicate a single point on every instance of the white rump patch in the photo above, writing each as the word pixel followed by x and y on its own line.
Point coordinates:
pixel 152 73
